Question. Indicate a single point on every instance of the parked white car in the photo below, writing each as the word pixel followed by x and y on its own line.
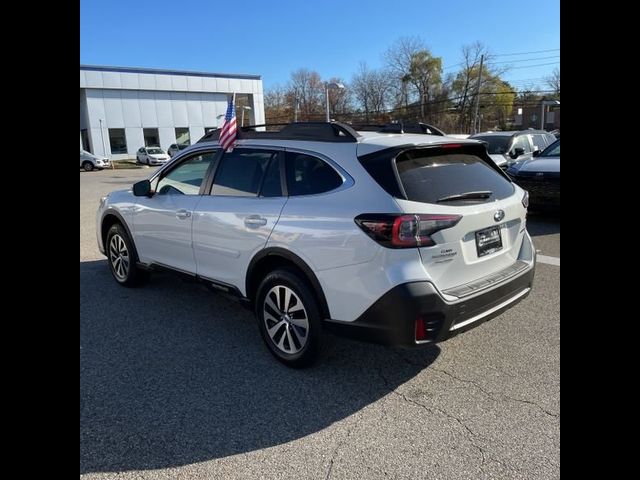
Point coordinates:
pixel 152 156
pixel 405 239
pixel 89 161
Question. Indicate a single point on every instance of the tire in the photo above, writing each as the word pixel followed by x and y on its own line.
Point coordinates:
pixel 87 166
pixel 122 258
pixel 297 340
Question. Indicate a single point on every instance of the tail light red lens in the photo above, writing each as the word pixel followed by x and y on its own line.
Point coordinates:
pixel 404 231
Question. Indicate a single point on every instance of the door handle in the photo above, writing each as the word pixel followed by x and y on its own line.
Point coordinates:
pixel 182 214
pixel 255 221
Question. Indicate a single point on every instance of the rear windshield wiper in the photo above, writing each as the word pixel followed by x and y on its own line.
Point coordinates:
pixel 466 196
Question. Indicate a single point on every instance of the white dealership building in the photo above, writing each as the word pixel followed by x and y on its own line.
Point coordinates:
pixel 123 109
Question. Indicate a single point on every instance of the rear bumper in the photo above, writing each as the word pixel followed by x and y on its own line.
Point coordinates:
pixel 392 319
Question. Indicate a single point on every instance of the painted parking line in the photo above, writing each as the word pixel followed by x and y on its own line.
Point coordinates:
pixel 548 260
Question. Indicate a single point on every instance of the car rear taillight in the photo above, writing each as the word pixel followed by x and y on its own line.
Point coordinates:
pixel 525 199
pixel 404 231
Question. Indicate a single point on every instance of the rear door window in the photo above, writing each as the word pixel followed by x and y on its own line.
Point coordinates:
pixel 308 175
pixel 242 171
pixel 431 177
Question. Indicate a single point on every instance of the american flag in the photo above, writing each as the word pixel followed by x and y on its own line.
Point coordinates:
pixel 229 129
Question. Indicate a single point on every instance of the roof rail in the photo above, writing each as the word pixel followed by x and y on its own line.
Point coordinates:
pixel 310 131
pixel 401 127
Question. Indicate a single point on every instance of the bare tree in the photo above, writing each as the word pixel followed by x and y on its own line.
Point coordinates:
pixel 465 85
pixel 339 99
pixel 398 58
pixel 371 90
pixel 277 104
pixel 553 81
pixel 308 87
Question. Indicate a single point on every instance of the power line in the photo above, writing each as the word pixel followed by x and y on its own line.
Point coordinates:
pixel 538 65
pixel 527 59
pixel 525 53
pixel 514 61
pixel 524 80
pixel 451 66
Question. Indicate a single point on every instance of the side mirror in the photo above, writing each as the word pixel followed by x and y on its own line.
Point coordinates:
pixel 517 152
pixel 142 188
pixel 537 153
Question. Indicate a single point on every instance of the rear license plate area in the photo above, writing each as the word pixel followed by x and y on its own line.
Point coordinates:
pixel 488 240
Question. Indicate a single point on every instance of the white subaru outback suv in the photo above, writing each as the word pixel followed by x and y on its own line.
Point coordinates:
pixel 404 239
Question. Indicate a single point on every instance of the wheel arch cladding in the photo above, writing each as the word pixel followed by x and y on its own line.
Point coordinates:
pixel 110 218
pixel 272 258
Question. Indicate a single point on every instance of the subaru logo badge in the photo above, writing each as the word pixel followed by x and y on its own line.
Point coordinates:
pixel 499 215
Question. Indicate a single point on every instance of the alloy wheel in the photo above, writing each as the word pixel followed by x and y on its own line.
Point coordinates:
pixel 285 319
pixel 119 257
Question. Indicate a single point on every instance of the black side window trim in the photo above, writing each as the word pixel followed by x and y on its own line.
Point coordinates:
pixel 283 187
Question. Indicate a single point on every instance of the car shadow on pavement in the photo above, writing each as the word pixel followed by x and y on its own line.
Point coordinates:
pixel 543 222
pixel 172 374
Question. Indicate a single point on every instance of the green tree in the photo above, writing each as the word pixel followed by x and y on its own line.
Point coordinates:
pixel 425 75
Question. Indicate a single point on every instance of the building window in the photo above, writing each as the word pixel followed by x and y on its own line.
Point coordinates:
pixel 117 140
pixel 151 137
pixel 85 140
pixel 208 129
pixel 182 136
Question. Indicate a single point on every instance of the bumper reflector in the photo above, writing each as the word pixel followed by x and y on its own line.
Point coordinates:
pixel 421 331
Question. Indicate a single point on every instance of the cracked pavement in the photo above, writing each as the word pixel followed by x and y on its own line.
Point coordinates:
pixel 176 384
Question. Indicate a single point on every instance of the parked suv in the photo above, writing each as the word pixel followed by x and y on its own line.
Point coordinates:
pixel 404 239
pixel 89 161
pixel 506 148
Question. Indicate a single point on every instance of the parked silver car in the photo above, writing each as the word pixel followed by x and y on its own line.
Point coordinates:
pixel 505 148
pixel 407 239
pixel 89 161
pixel 152 156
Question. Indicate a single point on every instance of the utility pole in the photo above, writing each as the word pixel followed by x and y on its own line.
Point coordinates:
pixel 296 103
pixel 326 90
pixel 475 117
pixel 104 148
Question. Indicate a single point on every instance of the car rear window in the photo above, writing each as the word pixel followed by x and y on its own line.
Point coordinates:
pixel 430 176
pixel 540 141
pixel 496 144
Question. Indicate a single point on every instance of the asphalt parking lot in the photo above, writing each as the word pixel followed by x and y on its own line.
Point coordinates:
pixel 176 383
